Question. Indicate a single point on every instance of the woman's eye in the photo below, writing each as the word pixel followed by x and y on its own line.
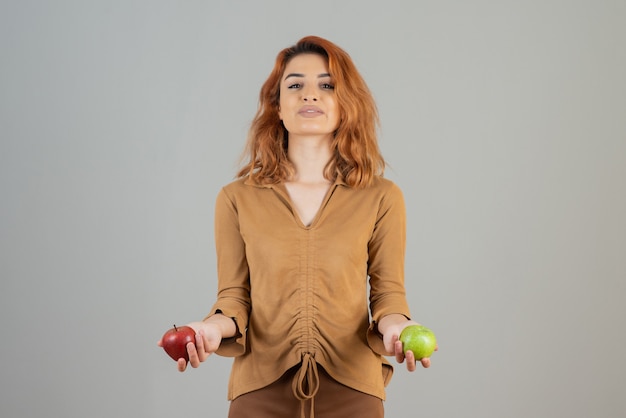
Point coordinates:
pixel 294 86
pixel 328 86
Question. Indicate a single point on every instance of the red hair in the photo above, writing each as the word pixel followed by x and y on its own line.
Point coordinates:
pixel 357 158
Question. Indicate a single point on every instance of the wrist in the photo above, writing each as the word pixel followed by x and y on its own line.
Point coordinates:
pixel 395 321
pixel 226 325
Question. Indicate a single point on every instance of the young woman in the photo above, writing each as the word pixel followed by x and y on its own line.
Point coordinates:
pixel 299 234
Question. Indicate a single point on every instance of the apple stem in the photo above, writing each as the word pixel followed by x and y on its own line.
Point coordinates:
pixel 175 327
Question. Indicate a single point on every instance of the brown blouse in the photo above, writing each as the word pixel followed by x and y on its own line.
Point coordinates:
pixel 298 294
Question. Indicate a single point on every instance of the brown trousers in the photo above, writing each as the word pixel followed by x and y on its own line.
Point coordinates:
pixel 333 400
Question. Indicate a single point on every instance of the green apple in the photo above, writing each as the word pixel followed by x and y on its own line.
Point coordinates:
pixel 418 339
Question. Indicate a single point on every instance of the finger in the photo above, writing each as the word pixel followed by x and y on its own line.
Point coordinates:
pixel 390 346
pixel 425 362
pixel 410 361
pixel 200 347
pixel 182 364
pixel 160 343
pixel 194 359
pixel 399 352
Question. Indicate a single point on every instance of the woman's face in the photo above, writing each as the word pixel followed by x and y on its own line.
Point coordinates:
pixel 308 106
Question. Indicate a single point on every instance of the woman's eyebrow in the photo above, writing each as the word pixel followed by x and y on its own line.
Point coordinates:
pixel 302 75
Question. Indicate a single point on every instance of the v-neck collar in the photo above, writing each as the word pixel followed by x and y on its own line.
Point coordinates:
pixel 281 190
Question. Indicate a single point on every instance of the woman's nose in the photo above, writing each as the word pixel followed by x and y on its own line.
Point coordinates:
pixel 309 95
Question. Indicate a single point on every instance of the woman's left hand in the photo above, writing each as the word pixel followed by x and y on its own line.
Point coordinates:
pixel 390 327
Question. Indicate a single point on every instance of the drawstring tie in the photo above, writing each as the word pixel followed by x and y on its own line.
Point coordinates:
pixel 306 382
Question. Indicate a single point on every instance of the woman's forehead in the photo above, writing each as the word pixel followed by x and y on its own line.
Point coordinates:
pixel 306 64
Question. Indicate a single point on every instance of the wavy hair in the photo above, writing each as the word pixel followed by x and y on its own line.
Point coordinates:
pixel 356 155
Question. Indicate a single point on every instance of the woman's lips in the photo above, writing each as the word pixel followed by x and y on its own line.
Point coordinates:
pixel 310 111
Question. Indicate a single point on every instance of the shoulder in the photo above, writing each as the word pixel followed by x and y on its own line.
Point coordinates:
pixel 247 184
pixel 379 195
pixel 244 189
pixel 384 184
pixel 235 186
pixel 385 188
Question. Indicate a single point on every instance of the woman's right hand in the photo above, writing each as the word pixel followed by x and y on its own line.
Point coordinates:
pixel 209 335
pixel 208 339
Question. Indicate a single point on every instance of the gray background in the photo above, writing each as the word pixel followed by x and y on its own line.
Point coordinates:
pixel 504 124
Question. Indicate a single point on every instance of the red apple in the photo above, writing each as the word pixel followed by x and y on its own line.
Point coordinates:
pixel 175 341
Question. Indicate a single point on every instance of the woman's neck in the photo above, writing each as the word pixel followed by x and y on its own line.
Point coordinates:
pixel 309 156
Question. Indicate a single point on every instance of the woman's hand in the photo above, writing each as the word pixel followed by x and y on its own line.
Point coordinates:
pixel 209 335
pixel 391 327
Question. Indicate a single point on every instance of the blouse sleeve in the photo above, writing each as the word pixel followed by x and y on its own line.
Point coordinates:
pixel 233 298
pixel 386 264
